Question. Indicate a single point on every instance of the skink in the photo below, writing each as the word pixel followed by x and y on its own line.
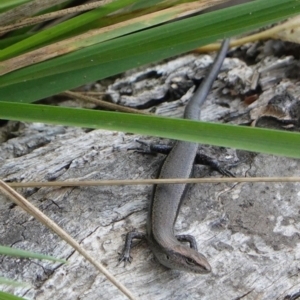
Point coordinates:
pixel 167 198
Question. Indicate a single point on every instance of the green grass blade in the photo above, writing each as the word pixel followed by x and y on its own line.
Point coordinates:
pixel 7 296
pixel 14 283
pixel 13 39
pixel 252 139
pixel 115 56
pixel 26 254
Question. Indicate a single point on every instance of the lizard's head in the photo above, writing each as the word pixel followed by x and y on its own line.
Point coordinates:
pixel 184 258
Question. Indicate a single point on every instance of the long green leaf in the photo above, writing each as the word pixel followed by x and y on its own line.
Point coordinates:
pixel 26 254
pixel 115 56
pixel 7 296
pixel 14 283
pixel 253 139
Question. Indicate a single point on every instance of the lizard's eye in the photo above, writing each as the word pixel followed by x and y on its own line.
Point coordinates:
pixel 167 257
pixel 190 261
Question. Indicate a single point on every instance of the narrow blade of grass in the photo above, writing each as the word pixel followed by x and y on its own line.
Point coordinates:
pixel 7 296
pixel 27 254
pixel 252 139
pixel 14 283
